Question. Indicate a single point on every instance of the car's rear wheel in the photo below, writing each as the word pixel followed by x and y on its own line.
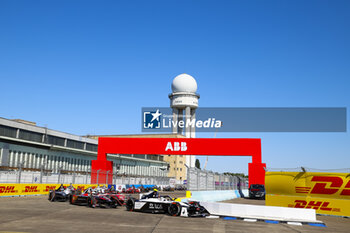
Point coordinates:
pixel 52 196
pixel 91 202
pixel 130 204
pixel 174 209
pixel 71 201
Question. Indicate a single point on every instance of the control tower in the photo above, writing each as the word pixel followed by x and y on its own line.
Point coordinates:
pixel 184 101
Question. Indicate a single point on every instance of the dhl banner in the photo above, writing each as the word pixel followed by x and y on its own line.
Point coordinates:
pixel 327 193
pixel 35 189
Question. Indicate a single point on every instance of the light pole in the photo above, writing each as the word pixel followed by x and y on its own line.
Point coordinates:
pixel 42 171
pixel 107 178
pixel 98 171
pixel 20 171
pixel 59 173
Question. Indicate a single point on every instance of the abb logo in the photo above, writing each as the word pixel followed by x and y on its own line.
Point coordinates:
pixel 31 189
pixel 326 185
pixel 177 146
pixel 316 205
pixel 7 189
pixel 49 187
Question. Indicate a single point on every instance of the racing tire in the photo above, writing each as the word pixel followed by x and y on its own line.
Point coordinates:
pixel 52 196
pixel 88 201
pixel 71 199
pixel 114 203
pixel 130 204
pixel 174 209
pixel 91 202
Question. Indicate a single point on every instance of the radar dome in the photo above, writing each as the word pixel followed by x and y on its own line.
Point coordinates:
pixel 184 83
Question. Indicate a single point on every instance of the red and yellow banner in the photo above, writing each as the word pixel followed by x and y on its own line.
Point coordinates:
pixel 327 193
pixel 34 189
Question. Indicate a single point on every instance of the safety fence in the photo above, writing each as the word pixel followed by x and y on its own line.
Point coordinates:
pixel 197 179
pixel 200 180
pixel 20 176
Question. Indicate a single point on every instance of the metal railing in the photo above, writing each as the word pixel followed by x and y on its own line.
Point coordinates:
pixel 200 180
pixel 196 179
pixel 24 175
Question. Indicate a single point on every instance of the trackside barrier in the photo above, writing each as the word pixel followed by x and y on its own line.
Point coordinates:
pixel 120 187
pixel 7 190
pixel 258 212
pixel 139 185
pixel 327 193
pixel 117 187
pixel 213 196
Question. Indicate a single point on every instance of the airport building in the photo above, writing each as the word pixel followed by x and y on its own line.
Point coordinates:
pixel 33 148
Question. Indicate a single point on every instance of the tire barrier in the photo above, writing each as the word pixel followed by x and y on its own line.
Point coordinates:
pixel 326 193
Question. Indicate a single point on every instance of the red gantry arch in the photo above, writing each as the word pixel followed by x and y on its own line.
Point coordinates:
pixel 179 146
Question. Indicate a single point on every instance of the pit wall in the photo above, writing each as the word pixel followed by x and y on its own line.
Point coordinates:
pixel 214 196
pixel 8 190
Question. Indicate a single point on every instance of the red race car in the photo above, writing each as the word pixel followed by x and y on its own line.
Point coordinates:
pixel 133 190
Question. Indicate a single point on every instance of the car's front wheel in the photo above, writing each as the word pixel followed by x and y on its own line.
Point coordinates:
pixel 174 209
pixel 130 204
pixel 91 202
pixel 71 201
pixel 52 196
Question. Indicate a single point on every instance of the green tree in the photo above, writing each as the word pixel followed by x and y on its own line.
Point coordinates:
pixel 198 164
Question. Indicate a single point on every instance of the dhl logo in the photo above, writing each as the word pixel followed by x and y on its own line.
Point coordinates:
pixel 81 187
pixel 8 189
pixel 49 187
pixel 31 189
pixel 326 185
pixel 316 205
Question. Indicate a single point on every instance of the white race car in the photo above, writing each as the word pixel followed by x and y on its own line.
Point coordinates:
pixel 166 205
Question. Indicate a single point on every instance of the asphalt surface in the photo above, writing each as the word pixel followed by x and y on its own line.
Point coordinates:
pixel 37 214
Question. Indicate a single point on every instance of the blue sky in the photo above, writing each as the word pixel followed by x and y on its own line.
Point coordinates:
pixel 87 67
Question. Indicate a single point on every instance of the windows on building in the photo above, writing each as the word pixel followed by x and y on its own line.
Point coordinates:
pixel 55 140
pixel 30 136
pixel 75 144
pixel 8 131
pixel 91 147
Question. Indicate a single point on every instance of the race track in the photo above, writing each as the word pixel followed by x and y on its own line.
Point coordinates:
pixel 37 214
